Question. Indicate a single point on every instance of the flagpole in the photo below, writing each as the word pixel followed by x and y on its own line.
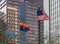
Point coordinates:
pixel 49 25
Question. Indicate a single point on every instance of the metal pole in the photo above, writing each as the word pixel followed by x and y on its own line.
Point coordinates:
pixel 49 26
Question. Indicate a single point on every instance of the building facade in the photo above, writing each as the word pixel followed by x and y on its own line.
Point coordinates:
pixel 2 24
pixel 54 9
pixel 3 8
pixel 13 13
pixel 31 20
pixel 36 35
pixel 46 22
pixel 12 10
pixel 2 27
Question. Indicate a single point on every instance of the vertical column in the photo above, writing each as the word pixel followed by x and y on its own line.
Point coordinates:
pixel 41 25
pixel 41 32
pixel 22 19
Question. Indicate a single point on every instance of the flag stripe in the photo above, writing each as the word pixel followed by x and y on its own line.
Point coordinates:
pixel 40 17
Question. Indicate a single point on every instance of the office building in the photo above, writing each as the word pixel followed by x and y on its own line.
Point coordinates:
pixel 31 20
pixel 3 8
pixel 2 24
pixel 46 22
pixel 36 35
pixel 13 13
pixel 2 27
pixel 54 9
pixel 12 10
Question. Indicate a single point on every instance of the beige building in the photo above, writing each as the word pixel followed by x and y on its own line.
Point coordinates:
pixel 13 13
pixel 12 10
pixel 36 35
pixel 2 28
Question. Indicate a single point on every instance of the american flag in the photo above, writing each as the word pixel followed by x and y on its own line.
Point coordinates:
pixel 43 17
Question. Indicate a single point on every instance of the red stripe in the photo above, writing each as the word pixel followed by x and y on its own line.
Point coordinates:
pixel 41 17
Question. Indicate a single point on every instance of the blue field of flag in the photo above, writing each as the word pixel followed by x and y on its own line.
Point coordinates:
pixel 39 12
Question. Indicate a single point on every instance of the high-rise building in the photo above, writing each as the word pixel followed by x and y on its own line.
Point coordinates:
pixel 36 35
pixel 2 24
pixel 46 23
pixel 13 12
pixel 2 28
pixel 3 8
pixel 54 11
pixel 31 20
pixel 1 15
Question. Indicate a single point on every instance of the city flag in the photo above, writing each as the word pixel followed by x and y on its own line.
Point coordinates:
pixel 9 33
pixel 41 15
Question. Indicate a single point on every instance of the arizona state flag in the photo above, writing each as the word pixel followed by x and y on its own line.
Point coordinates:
pixel 41 15
pixel 24 27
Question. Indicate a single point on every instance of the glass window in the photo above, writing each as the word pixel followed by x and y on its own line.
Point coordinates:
pixel 16 26
pixel 16 29
pixel 16 22
pixel 16 19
